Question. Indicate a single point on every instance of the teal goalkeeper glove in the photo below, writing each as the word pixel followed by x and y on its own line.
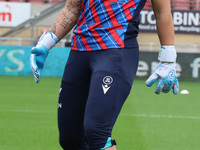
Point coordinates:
pixel 165 72
pixel 40 53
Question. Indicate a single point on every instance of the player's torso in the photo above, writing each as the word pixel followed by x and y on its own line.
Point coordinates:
pixel 105 24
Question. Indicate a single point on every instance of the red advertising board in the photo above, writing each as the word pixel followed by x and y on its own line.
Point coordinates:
pixel 12 14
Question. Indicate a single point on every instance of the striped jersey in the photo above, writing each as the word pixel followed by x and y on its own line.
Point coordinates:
pixel 106 24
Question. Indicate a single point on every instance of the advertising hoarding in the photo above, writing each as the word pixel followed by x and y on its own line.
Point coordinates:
pixel 184 21
pixel 14 60
pixel 13 14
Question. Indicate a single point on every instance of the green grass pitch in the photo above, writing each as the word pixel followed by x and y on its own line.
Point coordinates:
pixel 28 116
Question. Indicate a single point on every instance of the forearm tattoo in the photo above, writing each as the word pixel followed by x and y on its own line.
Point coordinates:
pixel 53 28
pixel 66 19
pixel 69 15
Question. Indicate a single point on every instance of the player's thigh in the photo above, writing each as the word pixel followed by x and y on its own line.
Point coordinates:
pixel 77 70
pixel 71 108
pixel 73 95
pixel 111 81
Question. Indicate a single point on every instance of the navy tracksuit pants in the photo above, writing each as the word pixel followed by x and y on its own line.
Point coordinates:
pixel 94 88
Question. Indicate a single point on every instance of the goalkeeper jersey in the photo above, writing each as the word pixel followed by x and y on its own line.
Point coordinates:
pixel 106 24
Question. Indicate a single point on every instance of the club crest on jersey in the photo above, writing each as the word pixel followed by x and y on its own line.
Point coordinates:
pixel 107 80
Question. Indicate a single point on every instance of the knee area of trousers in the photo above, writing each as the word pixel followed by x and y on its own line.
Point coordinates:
pixel 97 131
pixel 90 129
pixel 67 142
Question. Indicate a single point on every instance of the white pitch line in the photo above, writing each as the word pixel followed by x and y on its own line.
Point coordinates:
pixel 29 111
pixel 160 116
pixel 125 115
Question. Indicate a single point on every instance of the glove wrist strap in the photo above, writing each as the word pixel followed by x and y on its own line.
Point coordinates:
pixel 167 54
pixel 48 40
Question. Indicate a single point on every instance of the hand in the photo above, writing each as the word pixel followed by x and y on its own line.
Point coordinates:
pixel 165 72
pixel 37 59
pixel 40 53
pixel 167 79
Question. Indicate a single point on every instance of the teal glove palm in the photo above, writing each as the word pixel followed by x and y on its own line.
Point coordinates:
pixel 165 73
pixel 37 60
pixel 40 53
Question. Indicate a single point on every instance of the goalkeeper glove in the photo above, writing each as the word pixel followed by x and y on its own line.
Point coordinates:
pixel 165 72
pixel 40 53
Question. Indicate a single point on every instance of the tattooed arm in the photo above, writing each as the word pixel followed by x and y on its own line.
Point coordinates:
pixel 164 21
pixel 67 18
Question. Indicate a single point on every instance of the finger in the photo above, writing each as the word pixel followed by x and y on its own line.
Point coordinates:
pixel 33 50
pixel 167 88
pixel 160 86
pixel 33 64
pixel 40 50
pixel 36 76
pixel 151 80
pixel 176 87
pixel 36 51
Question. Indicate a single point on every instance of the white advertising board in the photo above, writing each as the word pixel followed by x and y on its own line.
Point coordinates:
pixel 12 14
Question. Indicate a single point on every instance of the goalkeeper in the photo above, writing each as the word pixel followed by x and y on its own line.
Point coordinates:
pixel 102 65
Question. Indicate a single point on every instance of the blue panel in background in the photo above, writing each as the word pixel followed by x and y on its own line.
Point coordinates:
pixel 14 60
